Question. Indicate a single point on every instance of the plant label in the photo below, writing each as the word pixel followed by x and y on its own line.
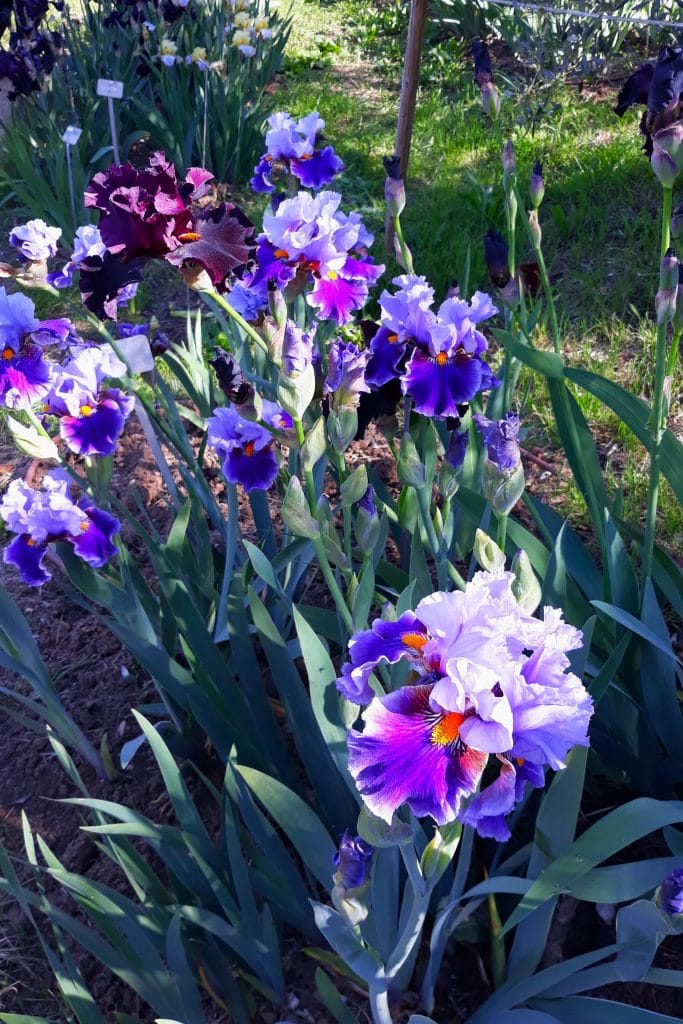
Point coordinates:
pixel 136 352
pixel 71 135
pixel 110 88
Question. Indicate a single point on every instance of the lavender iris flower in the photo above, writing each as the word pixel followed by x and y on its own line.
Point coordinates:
pixel 353 861
pixel 297 350
pixel 291 149
pixel 493 688
pixel 501 438
pixel 246 449
pixel 35 240
pixel 91 417
pixel 40 517
pixel 87 243
pixel 310 238
pixel 25 375
pixel 345 380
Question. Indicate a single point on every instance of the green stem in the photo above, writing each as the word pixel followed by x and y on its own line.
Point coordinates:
pixel 550 301
pixel 379 1003
pixel 405 251
pixel 346 510
pixel 307 474
pixel 659 409
pixel 436 547
pixel 234 315
pixel 502 531
pixel 331 581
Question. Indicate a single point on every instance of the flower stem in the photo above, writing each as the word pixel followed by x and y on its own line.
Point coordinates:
pixel 545 280
pixel 436 547
pixel 234 315
pixel 331 581
pixel 346 511
pixel 405 251
pixel 502 531
pixel 379 1003
pixel 659 408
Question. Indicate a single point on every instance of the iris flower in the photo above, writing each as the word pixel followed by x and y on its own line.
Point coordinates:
pixel 39 518
pixel 25 375
pixel 35 240
pixel 245 447
pixel 492 694
pixel 91 417
pixel 291 148
pixel 309 238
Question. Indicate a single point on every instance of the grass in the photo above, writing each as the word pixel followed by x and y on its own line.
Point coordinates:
pixel 600 216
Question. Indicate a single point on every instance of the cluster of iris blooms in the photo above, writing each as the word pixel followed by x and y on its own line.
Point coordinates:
pixel 32 49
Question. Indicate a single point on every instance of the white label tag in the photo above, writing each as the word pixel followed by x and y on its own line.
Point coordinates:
pixel 136 352
pixel 110 87
pixel 71 135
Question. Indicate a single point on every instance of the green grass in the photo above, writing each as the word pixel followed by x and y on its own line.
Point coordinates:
pixel 600 216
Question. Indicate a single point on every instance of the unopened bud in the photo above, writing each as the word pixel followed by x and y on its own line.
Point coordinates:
pixel 510 294
pixel 487 553
pixel 502 487
pixel 296 513
pixel 525 586
pixel 342 427
pixel 678 315
pixel 665 300
pixel 536 233
pixel 394 189
pixel 366 526
pixel 398 252
pixel 490 100
pixel 537 185
pixel 277 306
pixel 274 336
pixel 509 163
pixel 409 468
pixel 668 141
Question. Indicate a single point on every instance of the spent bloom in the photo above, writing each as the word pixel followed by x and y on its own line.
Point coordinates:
pixel 91 416
pixel 35 240
pixel 492 693
pixel 438 355
pixel 39 517
pixel 309 238
pixel 245 447
pixel 291 148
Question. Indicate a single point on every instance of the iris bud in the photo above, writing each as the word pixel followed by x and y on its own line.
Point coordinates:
pixel 398 252
pixel 670 895
pixel 490 100
pixel 394 189
pixel 277 306
pixel 487 552
pixel 342 426
pixel 536 232
pixel 537 185
pixel 509 162
pixel 667 153
pixel 525 586
pixel 366 526
pixel 665 300
pixel 354 861
pixel 295 512
pixel 502 487
pixel 410 469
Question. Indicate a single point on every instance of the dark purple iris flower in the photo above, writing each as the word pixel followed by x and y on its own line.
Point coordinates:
pixel 501 438
pixel 353 861
pixel 457 448
pixel 245 447
pixel 671 893
pixel 659 88
pixel 292 149
pixel 91 417
pixel 39 518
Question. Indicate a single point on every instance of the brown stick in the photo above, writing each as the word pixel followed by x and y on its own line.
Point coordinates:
pixel 406 108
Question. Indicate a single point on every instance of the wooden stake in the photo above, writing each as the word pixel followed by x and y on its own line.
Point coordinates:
pixel 406 108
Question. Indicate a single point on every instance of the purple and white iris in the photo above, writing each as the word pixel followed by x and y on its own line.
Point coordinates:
pixel 492 690
pixel 39 517
pixel 87 243
pixel 291 149
pixel 438 355
pixel 25 375
pixel 309 237
pixel 245 447
pixel 35 240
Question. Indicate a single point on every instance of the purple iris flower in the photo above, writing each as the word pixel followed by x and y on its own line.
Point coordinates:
pixel 291 149
pixel 245 448
pixel 501 438
pixel 246 301
pixel 345 380
pixel 35 240
pixel 445 367
pixel 87 242
pixel 125 330
pixel 493 687
pixel 41 517
pixel 25 375
pixel 671 893
pixel 353 861
pixel 91 417
pixel 58 333
pixel 309 237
